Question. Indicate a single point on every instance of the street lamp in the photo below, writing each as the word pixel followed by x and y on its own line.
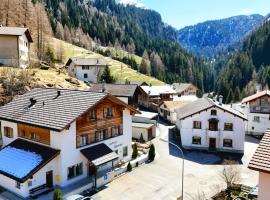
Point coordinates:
pixel 183 163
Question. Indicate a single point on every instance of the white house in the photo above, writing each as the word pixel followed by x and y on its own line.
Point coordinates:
pixel 56 137
pixel 210 125
pixel 142 131
pixel 15 46
pixel 257 110
pixel 86 69
pixel 261 162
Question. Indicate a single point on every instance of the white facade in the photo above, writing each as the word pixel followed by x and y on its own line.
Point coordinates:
pixel 147 131
pixel 264 182
pixel 20 56
pixel 216 138
pixel 69 156
pixel 257 123
pixel 86 73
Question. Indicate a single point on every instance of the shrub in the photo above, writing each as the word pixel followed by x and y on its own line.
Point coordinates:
pixel 57 195
pixel 137 164
pixel 129 167
pixel 151 153
pixel 135 151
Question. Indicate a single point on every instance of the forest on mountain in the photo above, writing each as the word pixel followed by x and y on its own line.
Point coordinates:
pixel 212 38
pixel 250 65
pixel 136 30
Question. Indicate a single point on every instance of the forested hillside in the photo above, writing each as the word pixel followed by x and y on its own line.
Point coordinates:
pixel 252 63
pixel 211 38
pixel 139 31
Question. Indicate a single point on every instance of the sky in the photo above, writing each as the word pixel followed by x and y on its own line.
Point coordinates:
pixel 180 13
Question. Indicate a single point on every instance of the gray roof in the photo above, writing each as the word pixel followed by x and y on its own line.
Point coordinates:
pixel 88 61
pixel 119 90
pixel 142 125
pixel 157 90
pixel 180 87
pixel 204 104
pixel 50 110
pixel 17 31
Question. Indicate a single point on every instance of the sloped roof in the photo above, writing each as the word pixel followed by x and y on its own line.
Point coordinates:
pixel 172 105
pixel 21 159
pixel 255 96
pixel 260 161
pixel 88 61
pixel 157 90
pixel 120 90
pixel 17 31
pixel 99 154
pixel 180 87
pixel 54 109
pixel 204 104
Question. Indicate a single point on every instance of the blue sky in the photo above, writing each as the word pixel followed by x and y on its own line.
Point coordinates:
pixel 180 13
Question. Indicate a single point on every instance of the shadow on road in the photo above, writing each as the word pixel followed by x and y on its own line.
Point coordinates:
pixel 200 156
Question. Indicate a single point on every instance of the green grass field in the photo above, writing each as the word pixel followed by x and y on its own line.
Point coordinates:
pixel 119 70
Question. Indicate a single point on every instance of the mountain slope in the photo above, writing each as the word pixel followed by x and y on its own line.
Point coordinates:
pixel 140 31
pixel 251 64
pixel 211 37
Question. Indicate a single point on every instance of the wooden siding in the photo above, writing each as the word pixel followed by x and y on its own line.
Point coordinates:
pixel 25 131
pixel 260 105
pixel 89 127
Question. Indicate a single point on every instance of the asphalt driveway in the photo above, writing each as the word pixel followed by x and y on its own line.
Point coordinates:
pixel 162 178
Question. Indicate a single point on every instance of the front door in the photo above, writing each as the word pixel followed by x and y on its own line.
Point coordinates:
pixel 49 179
pixel 212 143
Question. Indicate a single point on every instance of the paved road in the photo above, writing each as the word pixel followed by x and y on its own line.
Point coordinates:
pixel 162 178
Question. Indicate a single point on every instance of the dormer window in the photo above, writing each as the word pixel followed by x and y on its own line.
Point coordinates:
pixel 213 112
pixel 93 115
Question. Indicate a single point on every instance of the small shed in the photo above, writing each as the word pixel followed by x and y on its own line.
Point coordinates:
pixel 142 131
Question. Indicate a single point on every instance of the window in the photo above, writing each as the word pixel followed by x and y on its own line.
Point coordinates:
pixel 30 183
pixel 83 140
pixel 116 151
pixel 213 112
pixel 8 132
pixel 85 67
pixel 118 130
pixel 125 151
pixel 197 125
pixel 85 75
pixel 23 134
pixel 108 112
pixel 93 115
pixel 75 170
pixel 256 119
pixel 227 143
pixel 196 140
pixel 18 185
pixel 228 127
pixel 101 135
pixel 34 136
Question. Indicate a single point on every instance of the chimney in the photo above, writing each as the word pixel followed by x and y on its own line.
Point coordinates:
pixel 32 102
pixel 103 86
pixel 220 99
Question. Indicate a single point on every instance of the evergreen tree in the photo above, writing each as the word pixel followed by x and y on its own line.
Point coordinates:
pixel 151 153
pixel 129 167
pixel 135 151
pixel 106 76
pixel 237 95
pixel 57 195
pixel 229 97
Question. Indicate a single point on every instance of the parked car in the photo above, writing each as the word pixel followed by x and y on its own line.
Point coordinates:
pixel 78 197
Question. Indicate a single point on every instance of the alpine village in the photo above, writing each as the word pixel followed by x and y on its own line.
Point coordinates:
pixel 103 100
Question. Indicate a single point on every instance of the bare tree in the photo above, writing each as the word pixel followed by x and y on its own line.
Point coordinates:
pixel 230 175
